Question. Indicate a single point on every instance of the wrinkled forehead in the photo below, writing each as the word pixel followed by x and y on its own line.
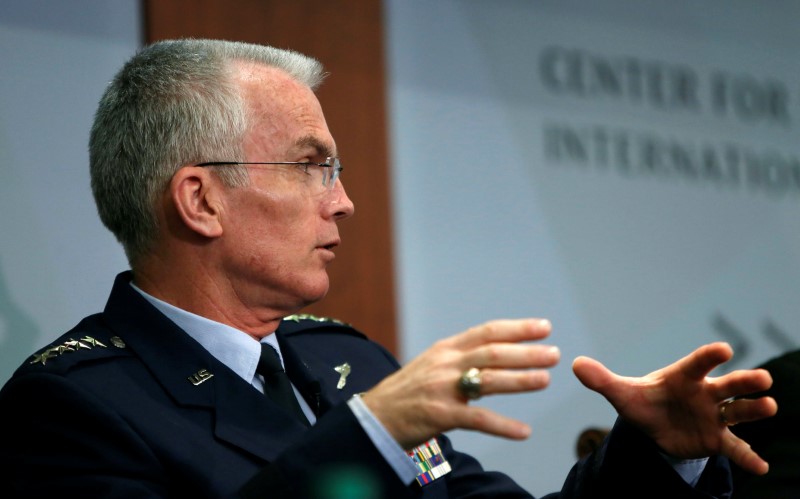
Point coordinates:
pixel 284 115
pixel 264 80
pixel 270 93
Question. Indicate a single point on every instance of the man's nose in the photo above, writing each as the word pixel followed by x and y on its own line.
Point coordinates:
pixel 340 206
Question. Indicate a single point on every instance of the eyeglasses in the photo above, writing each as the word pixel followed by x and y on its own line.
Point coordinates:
pixel 329 170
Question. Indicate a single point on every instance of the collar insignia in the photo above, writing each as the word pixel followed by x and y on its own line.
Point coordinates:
pixel 200 376
pixel 344 371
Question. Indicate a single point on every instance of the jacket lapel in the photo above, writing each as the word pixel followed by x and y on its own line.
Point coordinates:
pixel 195 379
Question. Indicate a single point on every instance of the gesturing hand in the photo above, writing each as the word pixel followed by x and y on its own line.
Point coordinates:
pixel 421 399
pixel 679 406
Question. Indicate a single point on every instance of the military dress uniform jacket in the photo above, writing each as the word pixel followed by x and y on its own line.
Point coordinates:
pixel 126 404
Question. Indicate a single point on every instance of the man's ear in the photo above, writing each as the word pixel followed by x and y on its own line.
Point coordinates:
pixel 194 192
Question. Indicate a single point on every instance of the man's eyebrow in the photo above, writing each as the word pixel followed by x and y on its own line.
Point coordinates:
pixel 312 142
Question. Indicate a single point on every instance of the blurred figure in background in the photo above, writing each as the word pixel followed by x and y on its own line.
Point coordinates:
pixel 777 439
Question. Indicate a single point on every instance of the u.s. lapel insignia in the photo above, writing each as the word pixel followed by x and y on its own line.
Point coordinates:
pixel 200 376
pixel 71 345
pixel 430 461
pixel 344 371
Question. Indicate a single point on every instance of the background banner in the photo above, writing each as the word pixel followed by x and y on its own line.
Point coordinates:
pixel 630 171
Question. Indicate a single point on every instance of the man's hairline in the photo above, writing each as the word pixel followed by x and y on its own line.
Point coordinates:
pixel 239 67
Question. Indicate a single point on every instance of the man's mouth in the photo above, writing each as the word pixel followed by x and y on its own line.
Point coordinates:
pixel 330 246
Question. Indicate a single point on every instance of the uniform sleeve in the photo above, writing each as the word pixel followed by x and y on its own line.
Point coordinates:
pixel 337 450
pixel 630 465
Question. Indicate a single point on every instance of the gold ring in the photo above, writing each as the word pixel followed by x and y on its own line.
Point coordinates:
pixel 723 417
pixel 469 384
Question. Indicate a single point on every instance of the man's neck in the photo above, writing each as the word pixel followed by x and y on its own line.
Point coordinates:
pixel 200 293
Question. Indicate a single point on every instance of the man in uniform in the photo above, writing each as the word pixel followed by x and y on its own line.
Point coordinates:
pixel 212 164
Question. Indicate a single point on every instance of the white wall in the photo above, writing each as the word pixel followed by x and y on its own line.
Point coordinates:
pixel 57 261
pixel 521 189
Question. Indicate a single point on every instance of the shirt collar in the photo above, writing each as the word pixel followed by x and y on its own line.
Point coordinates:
pixel 234 348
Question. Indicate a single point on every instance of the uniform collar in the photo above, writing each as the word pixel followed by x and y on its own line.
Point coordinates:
pixel 196 379
pixel 234 348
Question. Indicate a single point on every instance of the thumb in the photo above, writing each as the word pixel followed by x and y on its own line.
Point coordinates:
pixel 594 375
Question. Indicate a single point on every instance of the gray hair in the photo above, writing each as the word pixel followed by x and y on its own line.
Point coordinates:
pixel 174 103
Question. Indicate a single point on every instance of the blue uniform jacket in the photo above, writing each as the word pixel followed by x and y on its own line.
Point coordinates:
pixel 128 405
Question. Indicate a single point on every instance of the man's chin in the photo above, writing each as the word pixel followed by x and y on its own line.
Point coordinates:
pixel 315 293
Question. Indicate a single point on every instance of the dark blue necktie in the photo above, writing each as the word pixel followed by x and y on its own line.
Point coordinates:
pixel 276 383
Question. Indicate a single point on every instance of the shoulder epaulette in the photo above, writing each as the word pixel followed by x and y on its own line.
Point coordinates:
pixel 314 318
pixel 298 323
pixel 73 349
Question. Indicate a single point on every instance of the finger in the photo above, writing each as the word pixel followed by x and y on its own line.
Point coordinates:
pixel 594 375
pixel 744 410
pixel 481 419
pixel 500 381
pixel 503 331
pixel 740 453
pixel 702 361
pixel 742 382
pixel 512 356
